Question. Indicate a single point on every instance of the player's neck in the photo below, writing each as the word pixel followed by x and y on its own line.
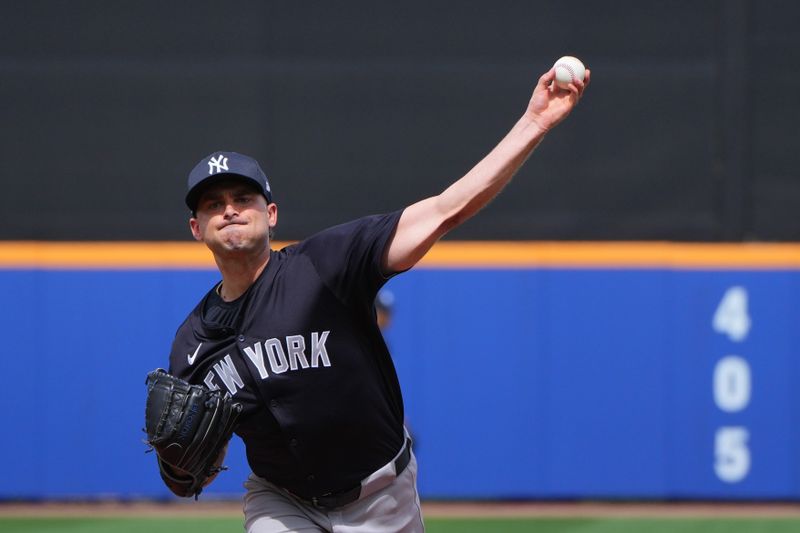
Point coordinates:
pixel 239 274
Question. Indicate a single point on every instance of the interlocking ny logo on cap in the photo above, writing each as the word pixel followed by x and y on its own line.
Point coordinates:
pixel 217 165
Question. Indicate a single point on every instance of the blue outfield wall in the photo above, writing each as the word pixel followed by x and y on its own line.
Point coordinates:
pixel 518 383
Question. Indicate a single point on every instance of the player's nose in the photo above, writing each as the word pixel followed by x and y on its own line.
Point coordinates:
pixel 230 209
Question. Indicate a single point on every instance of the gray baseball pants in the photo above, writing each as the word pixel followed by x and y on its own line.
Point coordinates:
pixel 388 504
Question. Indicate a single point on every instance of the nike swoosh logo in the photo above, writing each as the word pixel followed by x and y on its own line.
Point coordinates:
pixel 192 357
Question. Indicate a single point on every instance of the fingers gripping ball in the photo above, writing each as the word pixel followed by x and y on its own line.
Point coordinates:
pixel 568 70
pixel 188 426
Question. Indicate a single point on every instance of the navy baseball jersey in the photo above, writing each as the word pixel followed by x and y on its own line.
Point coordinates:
pixel 301 350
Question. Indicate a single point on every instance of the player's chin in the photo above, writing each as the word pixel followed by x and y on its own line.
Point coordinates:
pixel 228 244
pixel 237 245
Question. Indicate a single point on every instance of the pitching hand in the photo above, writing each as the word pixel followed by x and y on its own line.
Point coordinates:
pixel 549 104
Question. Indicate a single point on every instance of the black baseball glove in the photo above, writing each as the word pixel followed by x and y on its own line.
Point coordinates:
pixel 188 426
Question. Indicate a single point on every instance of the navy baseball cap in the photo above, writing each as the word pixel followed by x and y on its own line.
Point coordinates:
pixel 221 165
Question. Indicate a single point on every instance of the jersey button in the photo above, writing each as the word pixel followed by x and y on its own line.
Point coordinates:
pixel 241 338
pixel 311 477
pixel 293 442
pixel 273 404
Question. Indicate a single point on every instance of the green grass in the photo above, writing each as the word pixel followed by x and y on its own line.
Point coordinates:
pixel 120 525
pixel 433 525
pixel 614 525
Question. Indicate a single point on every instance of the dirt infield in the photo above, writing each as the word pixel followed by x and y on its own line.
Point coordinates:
pixel 430 509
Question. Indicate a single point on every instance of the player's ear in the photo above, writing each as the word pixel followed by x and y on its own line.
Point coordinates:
pixel 272 215
pixel 194 226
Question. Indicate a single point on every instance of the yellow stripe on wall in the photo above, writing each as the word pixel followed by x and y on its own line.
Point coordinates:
pixel 121 255
pixel 615 255
pixel 474 254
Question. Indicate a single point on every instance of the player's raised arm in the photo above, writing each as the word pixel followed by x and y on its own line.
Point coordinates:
pixel 425 222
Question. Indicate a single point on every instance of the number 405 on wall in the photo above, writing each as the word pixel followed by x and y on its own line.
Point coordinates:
pixel 732 387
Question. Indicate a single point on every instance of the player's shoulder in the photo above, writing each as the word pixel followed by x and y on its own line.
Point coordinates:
pixel 186 332
pixel 196 311
pixel 188 329
pixel 185 328
pixel 362 227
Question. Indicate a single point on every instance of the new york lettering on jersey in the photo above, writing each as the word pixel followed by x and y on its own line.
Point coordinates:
pixel 301 350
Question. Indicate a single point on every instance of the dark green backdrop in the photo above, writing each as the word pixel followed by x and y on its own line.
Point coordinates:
pixel 688 132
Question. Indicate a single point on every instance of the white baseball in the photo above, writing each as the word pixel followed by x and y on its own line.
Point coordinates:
pixel 568 70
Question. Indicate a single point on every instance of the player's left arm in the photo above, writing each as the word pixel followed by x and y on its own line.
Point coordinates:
pixel 425 222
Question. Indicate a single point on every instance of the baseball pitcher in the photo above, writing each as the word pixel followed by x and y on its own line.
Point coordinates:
pixel 285 350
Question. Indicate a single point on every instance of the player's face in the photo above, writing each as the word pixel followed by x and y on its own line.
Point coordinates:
pixel 233 217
